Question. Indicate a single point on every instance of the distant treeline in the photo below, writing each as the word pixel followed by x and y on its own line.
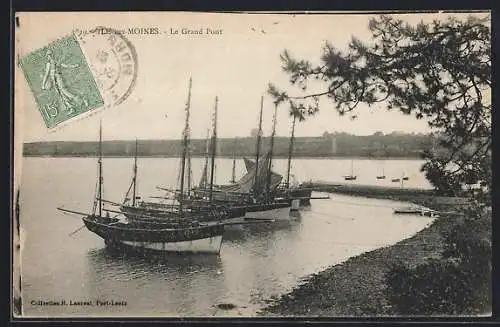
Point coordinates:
pixel 330 144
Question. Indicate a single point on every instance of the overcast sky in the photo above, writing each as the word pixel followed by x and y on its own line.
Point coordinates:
pixel 235 66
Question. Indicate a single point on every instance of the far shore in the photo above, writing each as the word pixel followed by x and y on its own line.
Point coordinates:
pixel 356 286
pixel 337 157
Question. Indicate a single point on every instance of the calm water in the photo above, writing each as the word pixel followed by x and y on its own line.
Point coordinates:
pixel 254 264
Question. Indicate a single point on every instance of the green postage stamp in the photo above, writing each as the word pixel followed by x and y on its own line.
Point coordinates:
pixel 61 81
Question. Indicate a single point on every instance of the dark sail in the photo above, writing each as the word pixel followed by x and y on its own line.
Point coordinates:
pixel 250 181
pixel 275 177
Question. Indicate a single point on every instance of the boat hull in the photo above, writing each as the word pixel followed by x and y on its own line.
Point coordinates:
pixel 160 214
pixel 276 211
pixel 204 245
pixel 197 239
pixel 148 213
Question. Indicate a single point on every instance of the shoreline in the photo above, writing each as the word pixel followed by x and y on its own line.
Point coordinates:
pixel 356 286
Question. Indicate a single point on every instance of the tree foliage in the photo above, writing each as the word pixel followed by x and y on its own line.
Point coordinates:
pixel 440 71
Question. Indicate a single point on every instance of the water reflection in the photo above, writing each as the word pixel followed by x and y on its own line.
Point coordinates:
pixel 250 232
pixel 152 264
pixel 166 284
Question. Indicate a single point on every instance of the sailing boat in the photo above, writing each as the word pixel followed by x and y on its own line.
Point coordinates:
pixel 252 193
pixel 203 209
pixel 295 192
pixel 299 192
pixel 138 210
pixel 186 236
pixel 383 173
pixel 264 191
pixel 207 191
pixel 185 197
pixel 351 177
pixel 396 180
pixel 403 178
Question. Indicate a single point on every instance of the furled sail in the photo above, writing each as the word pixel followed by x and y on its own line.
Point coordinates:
pixel 249 181
pixel 249 164
pixel 275 177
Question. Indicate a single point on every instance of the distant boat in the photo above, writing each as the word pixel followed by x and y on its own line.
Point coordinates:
pixel 403 178
pixel 351 177
pixel 416 211
pixel 383 174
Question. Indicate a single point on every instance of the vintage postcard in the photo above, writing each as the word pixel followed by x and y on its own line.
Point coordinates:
pixel 179 164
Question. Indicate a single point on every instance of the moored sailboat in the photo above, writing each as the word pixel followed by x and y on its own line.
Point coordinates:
pixel 288 191
pixel 267 199
pixel 252 192
pixel 382 176
pixel 351 177
pixel 186 234
pixel 182 205
pixel 402 179
pixel 303 194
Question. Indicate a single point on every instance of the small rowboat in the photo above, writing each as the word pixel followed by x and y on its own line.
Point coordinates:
pixel 416 211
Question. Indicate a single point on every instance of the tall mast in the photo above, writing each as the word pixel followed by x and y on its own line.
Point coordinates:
pixel 271 148
pixel 205 169
pixel 188 166
pixel 233 175
pixel 99 192
pixel 214 150
pixel 184 149
pixel 259 136
pixel 290 152
pixel 134 180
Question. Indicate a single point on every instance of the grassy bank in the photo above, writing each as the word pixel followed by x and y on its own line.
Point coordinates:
pixel 356 287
